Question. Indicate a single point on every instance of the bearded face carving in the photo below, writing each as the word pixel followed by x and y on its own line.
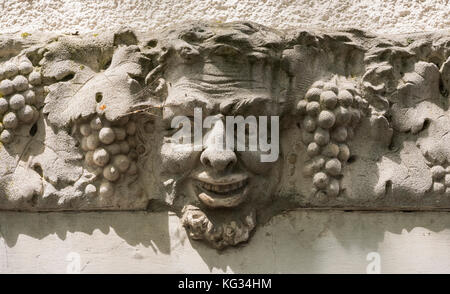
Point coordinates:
pixel 327 121
pixel 218 188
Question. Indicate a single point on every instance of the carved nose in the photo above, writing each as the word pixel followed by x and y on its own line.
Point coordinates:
pixel 219 160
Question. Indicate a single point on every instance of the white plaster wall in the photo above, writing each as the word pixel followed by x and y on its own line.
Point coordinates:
pixel 383 16
pixel 298 242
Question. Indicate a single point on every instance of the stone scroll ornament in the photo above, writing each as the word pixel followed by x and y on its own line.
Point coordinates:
pixel 87 123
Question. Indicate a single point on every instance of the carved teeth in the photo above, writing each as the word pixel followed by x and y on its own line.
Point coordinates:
pixel 223 188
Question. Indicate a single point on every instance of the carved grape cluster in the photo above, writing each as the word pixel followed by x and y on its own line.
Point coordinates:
pixel 19 95
pixel 110 151
pixel 441 179
pixel 329 114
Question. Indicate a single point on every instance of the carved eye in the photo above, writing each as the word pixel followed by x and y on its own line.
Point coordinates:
pixel 170 131
pixel 226 50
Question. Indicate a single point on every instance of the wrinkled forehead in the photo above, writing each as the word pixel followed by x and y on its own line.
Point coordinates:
pixel 232 71
pixel 223 86
pixel 183 101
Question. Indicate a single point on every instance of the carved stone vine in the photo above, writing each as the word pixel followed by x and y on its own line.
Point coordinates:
pixel 85 123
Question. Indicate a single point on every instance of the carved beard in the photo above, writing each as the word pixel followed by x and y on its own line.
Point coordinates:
pixel 220 232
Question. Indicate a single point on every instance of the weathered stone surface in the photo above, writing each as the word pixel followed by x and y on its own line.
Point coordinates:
pixel 86 123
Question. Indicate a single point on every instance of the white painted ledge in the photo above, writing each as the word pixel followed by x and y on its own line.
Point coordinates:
pixel 296 242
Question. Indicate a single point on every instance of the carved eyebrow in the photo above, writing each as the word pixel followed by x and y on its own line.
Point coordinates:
pixel 187 109
pixel 244 104
pixel 226 49
pixel 234 40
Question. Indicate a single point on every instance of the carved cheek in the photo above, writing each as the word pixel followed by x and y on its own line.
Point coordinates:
pixel 252 161
pixel 178 158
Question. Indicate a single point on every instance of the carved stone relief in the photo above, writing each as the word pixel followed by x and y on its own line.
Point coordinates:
pixel 86 123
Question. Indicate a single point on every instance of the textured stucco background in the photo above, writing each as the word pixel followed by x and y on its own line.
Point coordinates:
pixel 298 241
pixel 382 16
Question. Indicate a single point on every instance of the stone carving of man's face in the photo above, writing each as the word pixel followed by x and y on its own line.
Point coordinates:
pixel 231 183
pixel 218 190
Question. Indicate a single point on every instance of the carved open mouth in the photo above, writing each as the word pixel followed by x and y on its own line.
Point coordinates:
pixel 223 189
pixel 228 192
